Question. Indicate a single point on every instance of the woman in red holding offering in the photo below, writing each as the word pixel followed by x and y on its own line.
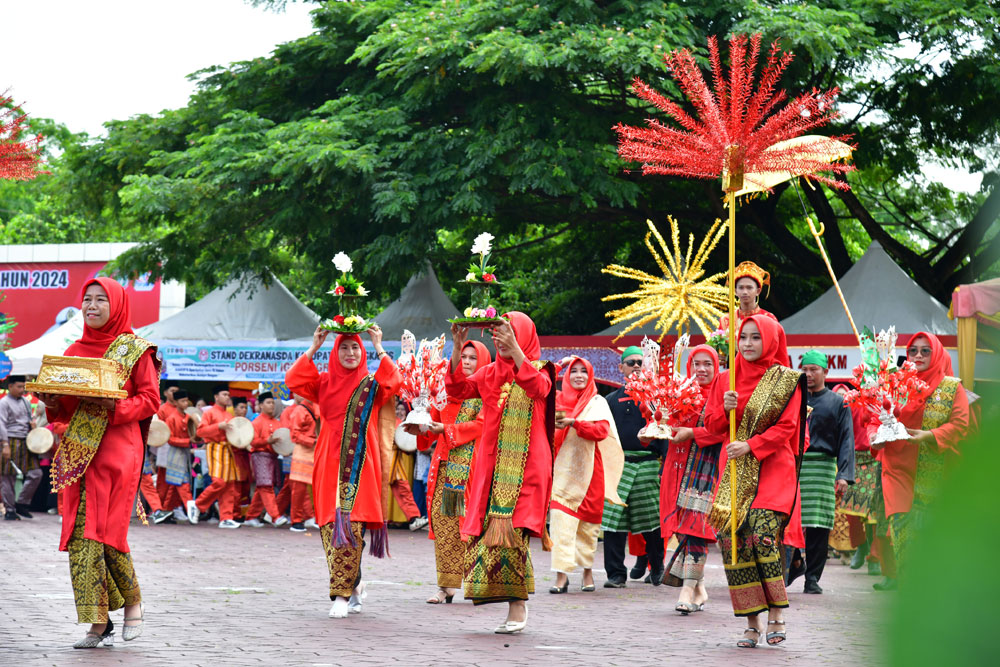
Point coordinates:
pixel 508 493
pixel 351 464
pixel 99 464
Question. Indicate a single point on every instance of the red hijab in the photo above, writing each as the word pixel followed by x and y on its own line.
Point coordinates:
pixel 710 351
pixel 95 342
pixel 749 373
pixel 502 369
pixel 483 357
pixel 343 381
pixel 912 414
pixel 572 400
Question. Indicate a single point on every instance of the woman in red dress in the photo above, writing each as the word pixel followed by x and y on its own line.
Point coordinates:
pixel 587 467
pixel 690 475
pixel 99 465
pixel 508 493
pixel 770 413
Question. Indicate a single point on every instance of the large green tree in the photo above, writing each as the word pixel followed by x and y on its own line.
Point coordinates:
pixel 398 130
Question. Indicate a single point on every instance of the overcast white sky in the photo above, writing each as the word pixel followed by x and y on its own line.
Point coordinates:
pixel 85 62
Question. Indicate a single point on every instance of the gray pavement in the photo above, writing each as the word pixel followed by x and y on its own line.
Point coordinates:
pixel 259 596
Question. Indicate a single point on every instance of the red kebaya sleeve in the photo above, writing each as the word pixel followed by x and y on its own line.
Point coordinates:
pixel 534 383
pixel 716 417
pixel 951 432
pixel 178 430
pixel 303 378
pixel 456 435
pixel 145 400
pixel 595 431
pixel 458 385
pixel 303 427
pixel 388 377
pixel 703 437
pixel 208 429
pixel 781 433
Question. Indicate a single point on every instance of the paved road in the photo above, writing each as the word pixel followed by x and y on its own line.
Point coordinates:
pixel 258 596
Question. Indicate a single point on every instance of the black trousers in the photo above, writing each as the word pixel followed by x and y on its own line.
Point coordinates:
pixel 817 540
pixel 614 553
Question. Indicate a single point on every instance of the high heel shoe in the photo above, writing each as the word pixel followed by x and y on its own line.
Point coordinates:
pixel 556 590
pixel 93 640
pixel 511 627
pixel 441 596
pixel 130 632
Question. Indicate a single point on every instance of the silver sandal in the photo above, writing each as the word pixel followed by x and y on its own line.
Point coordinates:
pixel 130 632
pixel 93 640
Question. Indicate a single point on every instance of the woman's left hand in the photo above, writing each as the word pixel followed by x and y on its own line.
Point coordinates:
pixel 565 422
pixel 503 335
pixel 106 403
pixel 375 333
pixel 921 437
pixel 735 450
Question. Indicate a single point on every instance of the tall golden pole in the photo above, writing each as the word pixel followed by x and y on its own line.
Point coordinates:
pixel 731 205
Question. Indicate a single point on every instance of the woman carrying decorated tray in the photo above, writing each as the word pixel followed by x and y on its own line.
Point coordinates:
pixel 350 475
pixel 770 413
pixel 937 420
pixel 508 494
pixel 99 465
pixel 456 429
pixel 587 468
pixel 690 475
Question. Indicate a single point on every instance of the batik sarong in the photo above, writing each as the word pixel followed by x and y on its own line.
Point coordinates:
pixel 177 465
pixel 20 456
pixel 103 578
pixel 498 574
pixel 755 580
pixel 859 498
pixel 263 465
pixel 343 562
pixel 817 483
pixel 640 489
pixel 449 549
pixel 688 561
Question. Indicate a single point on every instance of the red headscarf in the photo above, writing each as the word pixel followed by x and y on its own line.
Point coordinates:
pixel 749 373
pixel 483 356
pixel 912 414
pixel 710 351
pixel 343 381
pixel 95 342
pixel 573 400
pixel 502 370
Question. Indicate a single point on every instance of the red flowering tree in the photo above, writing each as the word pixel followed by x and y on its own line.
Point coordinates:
pixel 19 157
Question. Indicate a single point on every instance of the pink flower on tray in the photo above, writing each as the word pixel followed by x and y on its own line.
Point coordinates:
pixel 491 312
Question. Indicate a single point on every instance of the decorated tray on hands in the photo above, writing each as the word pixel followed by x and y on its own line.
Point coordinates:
pixel 78 376
pixel 352 324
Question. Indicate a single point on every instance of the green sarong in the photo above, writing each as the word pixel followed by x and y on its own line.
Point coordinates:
pixel 640 489
pixel 817 483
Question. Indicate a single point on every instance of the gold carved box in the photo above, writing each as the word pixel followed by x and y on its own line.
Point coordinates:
pixel 78 376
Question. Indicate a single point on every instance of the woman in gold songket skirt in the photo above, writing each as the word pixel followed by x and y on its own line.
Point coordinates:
pixel 769 403
pixel 99 464
pixel 456 428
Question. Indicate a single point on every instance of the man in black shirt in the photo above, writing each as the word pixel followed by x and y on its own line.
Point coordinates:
pixel 639 486
pixel 827 466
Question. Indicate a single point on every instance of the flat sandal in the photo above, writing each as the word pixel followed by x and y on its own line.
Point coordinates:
pixel 747 642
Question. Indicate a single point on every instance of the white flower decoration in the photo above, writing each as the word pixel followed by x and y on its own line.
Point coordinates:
pixel 481 246
pixel 470 276
pixel 342 262
pixel 362 291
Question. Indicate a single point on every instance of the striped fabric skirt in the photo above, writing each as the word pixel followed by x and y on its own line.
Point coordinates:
pixel 21 456
pixel 640 489
pixel 817 482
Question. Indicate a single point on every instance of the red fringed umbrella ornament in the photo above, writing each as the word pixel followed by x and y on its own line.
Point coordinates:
pixel 745 131
pixel 19 158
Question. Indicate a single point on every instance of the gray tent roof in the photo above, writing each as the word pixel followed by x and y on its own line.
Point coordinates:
pixel 253 312
pixel 422 307
pixel 879 294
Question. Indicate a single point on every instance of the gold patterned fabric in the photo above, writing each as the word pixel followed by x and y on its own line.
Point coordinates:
pixel 103 578
pixel 932 459
pixel 344 562
pixel 20 456
pixel 88 423
pixel 449 549
pixel 498 574
pixel 221 464
pixel 763 409
pixel 755 580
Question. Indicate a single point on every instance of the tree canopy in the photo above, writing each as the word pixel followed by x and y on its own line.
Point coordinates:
pixel 397 131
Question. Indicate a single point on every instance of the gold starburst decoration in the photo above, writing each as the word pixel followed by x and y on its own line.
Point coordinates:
pixel 682 294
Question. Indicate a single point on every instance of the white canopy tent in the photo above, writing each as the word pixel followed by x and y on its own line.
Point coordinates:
pixel 27 359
